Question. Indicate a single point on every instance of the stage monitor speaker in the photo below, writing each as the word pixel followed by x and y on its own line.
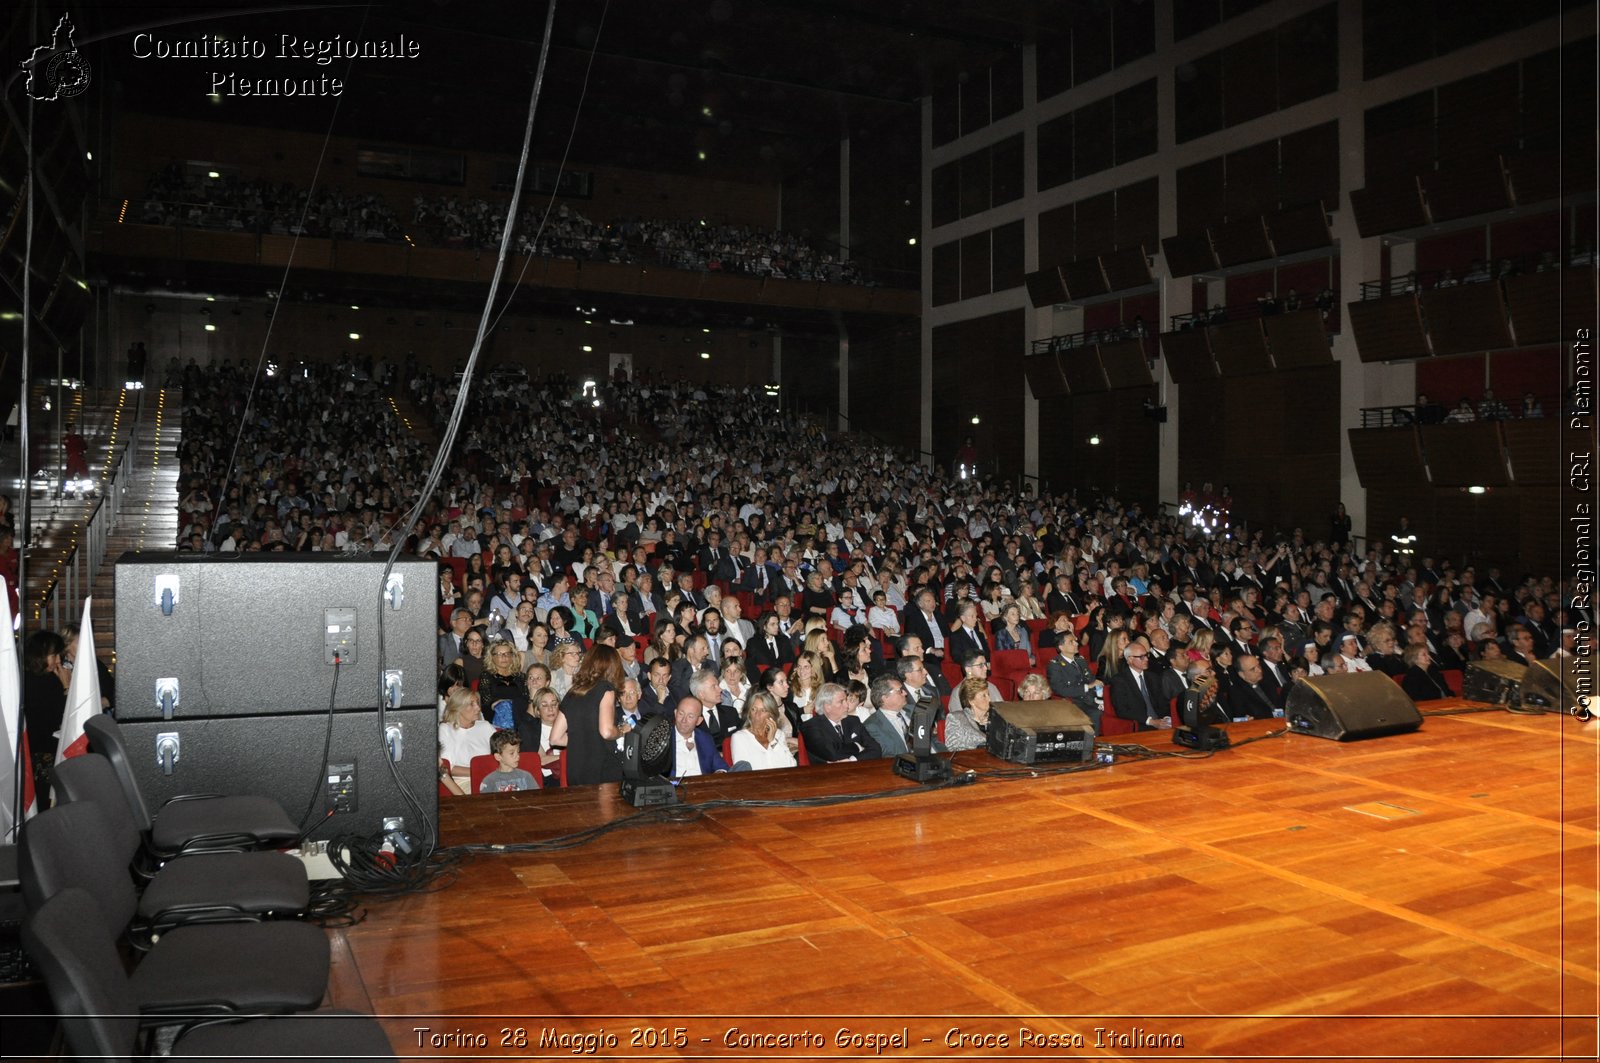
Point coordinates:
pixel 1561 684
pixel 1040 732
pixel 1494 682
pixel 280 757
pixel 203 635
pixel 1350 706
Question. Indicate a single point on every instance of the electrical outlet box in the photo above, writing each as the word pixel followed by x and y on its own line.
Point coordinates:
pixel 341 787
pixel 339 635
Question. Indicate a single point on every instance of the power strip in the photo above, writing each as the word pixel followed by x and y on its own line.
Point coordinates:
pixel 315 857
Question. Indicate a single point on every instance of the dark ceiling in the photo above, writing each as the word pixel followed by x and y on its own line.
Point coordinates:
pixel 764 88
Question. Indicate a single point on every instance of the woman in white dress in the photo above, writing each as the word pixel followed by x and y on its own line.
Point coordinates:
pixel 464 734
pixel 760 742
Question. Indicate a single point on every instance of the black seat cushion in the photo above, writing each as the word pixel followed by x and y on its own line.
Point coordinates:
pixel 221 823
pixel 327 1035
pixel 252 884
pixel 252 967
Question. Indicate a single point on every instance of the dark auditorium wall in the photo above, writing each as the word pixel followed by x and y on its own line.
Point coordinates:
pixel 1516 528
pixel 1273 438
pixel 977 372
pixel 886 384
pixel 811 375
pixel 147 143
pixel 1125 462
pixel 440 339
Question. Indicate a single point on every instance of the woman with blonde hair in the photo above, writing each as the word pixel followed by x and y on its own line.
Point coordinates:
pixel 463 734
pixel 503 687
pixel 818 644
pixel 1200 645
pixel 543 730
pixel 566 660
pixel 1111 653
pixel 805 681
pixel 760 742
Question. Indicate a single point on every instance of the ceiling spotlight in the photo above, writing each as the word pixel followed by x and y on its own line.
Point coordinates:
pixel 587 348
pixel 355 335
pixel 211 298
pixel 706 111
pixel 975 420
pixel 89 155
pixel 705 354
pixel 1094 441
pixel 702 157
pixel 213 174
pixel 353 306
pixel 705 330
pixel 210 327
pixel 912 241
pixel 1476 489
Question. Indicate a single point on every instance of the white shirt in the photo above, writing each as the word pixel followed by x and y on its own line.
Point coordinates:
pixel 687 760
pixel 774 755
pixel 1356 664
pixel 459 745
pixel 883 619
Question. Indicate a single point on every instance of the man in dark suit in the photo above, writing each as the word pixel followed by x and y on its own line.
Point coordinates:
pixel 1132 696
pixel 770 648
pixel 655 694
pixel 758 576
pixel 968 640
pixel 719 715
pixel 694 751
pixel 1061 598
pixel 1274 671
pixel 834 733
pixel 922 619
pixel 716 560
pixel 450 642
pixel 1250 697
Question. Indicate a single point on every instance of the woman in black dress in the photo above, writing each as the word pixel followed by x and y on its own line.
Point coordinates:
pixel 44 701
pixel 1423 681
pixel 1339 527
pixel 591 711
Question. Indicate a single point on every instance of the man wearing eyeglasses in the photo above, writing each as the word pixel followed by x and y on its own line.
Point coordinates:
pixel 1133 693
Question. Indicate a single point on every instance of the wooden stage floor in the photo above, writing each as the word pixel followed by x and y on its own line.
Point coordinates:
pixel 1431 895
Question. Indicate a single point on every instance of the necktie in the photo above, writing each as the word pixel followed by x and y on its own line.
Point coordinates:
pixel 772 644
pixel 1144 693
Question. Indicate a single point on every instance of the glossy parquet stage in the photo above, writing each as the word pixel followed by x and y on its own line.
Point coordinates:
pixel 1426 895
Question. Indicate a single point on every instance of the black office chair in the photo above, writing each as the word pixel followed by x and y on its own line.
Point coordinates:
pixel 70 942
pixel 210 887
pixel 217 968
pixel 198 823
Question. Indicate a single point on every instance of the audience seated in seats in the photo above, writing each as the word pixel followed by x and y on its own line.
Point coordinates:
pixel 535 471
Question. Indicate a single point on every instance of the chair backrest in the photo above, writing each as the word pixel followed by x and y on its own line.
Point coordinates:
pixel 105 738
pixel 1110 722
pixel 70 943
pixel 1006 686
pixel 90 777
pixel 727 749
pixel 1010 662
pixel 481 766
pixel 70 845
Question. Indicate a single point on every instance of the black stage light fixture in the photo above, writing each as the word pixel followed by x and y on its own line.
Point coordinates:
pixel 646 757
pixel 921 764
